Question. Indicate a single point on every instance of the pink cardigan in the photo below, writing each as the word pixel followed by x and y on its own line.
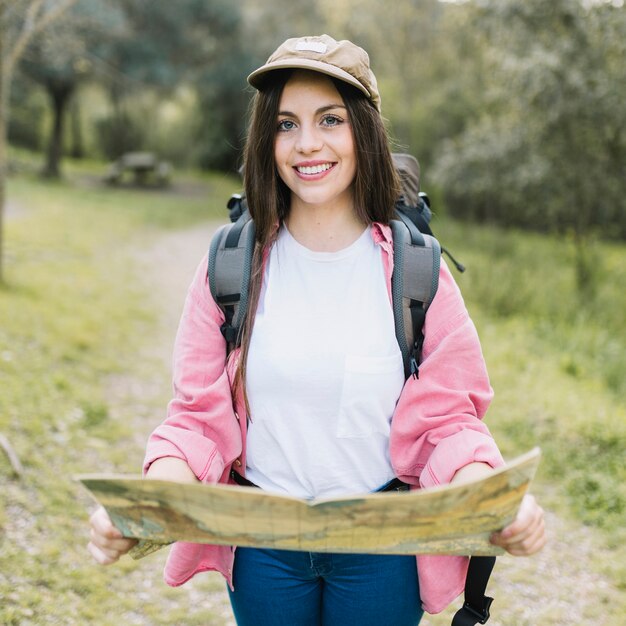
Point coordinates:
pixel 436 428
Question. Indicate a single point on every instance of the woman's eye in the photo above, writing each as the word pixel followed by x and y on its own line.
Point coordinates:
pixel 285 125
pixel 331 120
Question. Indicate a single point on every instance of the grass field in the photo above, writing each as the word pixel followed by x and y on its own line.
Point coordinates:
pixel 76 317
pixel 557 358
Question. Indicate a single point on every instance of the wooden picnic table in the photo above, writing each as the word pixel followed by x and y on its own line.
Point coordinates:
pixel 142 166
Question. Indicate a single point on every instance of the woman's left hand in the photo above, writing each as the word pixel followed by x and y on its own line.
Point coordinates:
pixel 527 533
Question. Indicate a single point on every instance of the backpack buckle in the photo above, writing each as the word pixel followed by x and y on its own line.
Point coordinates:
pixel 415 355
pixel 229 333
pixel 480 616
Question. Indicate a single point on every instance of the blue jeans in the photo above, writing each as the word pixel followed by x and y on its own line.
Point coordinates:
pixel 286 588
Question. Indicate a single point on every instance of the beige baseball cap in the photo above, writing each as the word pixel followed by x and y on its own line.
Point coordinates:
pixel 340 59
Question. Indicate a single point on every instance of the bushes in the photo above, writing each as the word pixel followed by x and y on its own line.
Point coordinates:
pixel 119 133
pixel 548 149
pixel 556 356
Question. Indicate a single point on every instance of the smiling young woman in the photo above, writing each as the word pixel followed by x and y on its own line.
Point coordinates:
pixel 315 157
pixel 319 375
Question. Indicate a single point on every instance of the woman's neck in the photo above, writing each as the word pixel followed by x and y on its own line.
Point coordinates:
pixel 324 228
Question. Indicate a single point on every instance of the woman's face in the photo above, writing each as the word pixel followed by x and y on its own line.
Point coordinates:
pixel 314 147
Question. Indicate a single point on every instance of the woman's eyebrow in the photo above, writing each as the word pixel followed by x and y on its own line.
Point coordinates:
pixel 323 109
pixel 328 107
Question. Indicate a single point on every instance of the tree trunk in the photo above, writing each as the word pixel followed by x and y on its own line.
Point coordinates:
pixel 587 263
pixel 5 85
pixel 78 149
pixel 3 170
pixel 11 50
pixel 59 93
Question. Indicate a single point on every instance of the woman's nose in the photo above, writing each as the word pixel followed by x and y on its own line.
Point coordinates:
pixel 309 139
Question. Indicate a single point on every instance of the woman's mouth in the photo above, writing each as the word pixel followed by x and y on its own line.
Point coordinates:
pixel 316 170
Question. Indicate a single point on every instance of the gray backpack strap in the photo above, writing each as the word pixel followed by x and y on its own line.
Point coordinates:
pixel 413 286
pixel 230 264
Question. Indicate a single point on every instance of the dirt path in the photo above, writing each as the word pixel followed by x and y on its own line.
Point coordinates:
pixel 561 586
pixel 166 264
pixel 12 209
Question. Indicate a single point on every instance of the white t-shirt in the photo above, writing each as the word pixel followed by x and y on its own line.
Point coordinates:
pixel 324 372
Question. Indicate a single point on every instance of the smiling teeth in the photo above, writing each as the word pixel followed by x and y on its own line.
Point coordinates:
pixel 314 169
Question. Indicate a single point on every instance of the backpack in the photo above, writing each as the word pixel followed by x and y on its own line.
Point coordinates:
pixel 413 286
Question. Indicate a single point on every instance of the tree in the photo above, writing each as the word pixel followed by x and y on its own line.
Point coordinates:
pixel 60 60
pixel 549 149
pixel 59 75
pixel 138 51
pixel 207 50
pixel 21 21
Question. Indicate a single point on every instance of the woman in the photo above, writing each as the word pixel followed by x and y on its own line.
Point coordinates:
pixel 319 373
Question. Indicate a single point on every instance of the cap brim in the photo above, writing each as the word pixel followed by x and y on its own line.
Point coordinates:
pixel 256 78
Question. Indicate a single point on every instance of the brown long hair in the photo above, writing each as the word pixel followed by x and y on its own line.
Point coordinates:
pixel 376 184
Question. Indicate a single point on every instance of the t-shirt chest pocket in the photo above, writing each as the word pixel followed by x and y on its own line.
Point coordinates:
pixel 371 388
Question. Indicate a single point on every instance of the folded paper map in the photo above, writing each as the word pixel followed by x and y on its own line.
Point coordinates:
pixel 452 519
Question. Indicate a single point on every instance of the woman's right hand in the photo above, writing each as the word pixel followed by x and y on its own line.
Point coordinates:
pixel 106 543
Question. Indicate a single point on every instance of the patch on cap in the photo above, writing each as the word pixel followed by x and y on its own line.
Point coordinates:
pixel 312 46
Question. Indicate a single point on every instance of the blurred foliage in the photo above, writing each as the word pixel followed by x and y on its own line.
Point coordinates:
pixel 514 109
pixel 59 61
pixel 548 150
pixel 195 44
pixel 118 134
pixel 28 111
pixel 222 99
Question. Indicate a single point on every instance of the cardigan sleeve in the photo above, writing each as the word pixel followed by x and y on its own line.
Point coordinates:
pixel 200 427
pixel 437 427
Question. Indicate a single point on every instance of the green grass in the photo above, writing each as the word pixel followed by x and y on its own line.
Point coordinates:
pixel 557 358
pixel 75 318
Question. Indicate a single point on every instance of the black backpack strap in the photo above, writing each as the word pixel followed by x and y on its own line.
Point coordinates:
pixel 228 273
pixel 476 606
pixel 414 283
